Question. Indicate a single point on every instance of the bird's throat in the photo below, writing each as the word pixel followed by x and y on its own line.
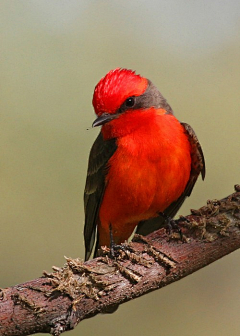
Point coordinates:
pixel 132 121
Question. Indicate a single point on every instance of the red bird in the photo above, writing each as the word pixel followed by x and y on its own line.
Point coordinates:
pixel 143 162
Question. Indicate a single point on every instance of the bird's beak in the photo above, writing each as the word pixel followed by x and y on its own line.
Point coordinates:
pixel 103 119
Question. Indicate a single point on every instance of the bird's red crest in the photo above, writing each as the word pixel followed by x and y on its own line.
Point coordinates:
pixel 113 89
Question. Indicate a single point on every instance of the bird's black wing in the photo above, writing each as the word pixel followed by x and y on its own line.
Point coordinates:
pixel 99 156
pixel 197 167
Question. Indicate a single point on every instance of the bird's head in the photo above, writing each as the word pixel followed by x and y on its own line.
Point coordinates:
pixel 121 92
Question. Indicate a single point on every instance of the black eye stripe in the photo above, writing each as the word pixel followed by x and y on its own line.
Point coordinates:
pixel 150 98
pixel 130 102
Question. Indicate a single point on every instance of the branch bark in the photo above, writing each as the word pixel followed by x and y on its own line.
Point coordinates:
pixel 58 301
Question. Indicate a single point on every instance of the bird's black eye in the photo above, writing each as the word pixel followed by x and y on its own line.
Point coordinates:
pixel 130 102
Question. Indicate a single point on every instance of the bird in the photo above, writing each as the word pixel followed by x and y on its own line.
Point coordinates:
pixel 143 163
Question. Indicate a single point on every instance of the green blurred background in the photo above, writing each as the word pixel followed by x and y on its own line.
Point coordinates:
pixel 52 55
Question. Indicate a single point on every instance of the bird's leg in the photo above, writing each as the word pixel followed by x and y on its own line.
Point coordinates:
pixel 172 224
pixel 115 248
pixel 112 243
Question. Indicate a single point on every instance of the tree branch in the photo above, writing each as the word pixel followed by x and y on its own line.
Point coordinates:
pixel 57 302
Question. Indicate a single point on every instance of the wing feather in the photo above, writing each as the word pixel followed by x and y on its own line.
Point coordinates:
pixel 101 152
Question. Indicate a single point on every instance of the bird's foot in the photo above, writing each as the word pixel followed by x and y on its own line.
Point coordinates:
pixel 115 249
pixel 172 225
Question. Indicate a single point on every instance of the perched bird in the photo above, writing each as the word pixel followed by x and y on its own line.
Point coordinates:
pixel 143 162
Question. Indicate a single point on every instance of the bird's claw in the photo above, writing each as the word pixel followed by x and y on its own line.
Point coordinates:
pixel 172 225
